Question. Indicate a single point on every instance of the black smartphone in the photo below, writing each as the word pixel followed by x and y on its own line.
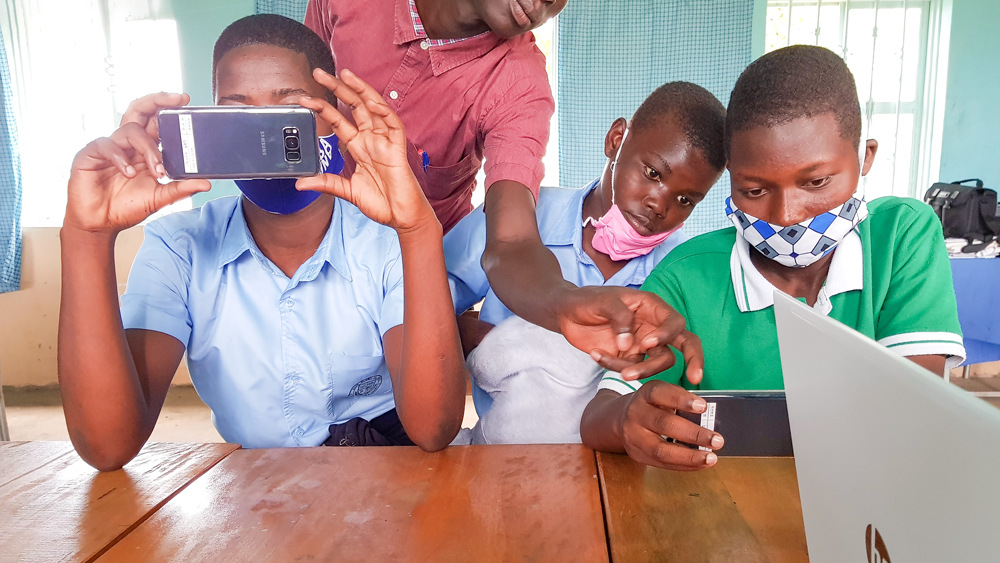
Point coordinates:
pixel 238 142
pixel 753 423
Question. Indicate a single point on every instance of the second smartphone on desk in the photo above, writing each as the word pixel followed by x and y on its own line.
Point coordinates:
pixel 753 423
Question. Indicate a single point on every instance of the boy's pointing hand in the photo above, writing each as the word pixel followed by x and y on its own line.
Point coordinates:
pixel 620 326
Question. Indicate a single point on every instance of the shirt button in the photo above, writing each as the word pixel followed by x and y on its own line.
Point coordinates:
pixel 424 44
pixel 299 431
pixel 394 95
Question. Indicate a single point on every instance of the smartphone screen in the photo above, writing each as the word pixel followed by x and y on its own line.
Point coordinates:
pixel 239 142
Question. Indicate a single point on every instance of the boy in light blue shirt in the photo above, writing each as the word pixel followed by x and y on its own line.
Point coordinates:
pixel 615 230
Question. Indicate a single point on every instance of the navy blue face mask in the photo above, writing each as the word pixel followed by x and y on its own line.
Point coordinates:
pixel 280 196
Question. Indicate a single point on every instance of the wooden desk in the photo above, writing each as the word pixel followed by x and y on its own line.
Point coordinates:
pixel 744 509
pixel 55 507
pixel 472 503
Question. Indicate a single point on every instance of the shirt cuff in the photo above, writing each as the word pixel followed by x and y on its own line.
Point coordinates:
pixel 612 381
pixel 514 172
pixel 146 317
pixel 946 344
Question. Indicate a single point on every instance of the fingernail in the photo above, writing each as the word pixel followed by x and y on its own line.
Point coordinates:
pixel 129 170
pixel 698 405
pixel 717 442
pixel 623 340
pixel 595 355
pixel 650 342
pixel 710 459
pixel 160 169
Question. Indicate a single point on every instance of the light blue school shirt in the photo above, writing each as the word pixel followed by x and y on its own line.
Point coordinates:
pixel 559 213
pixel 278 360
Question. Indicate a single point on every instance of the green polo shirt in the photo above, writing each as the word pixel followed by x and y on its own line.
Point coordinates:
pixel 890 280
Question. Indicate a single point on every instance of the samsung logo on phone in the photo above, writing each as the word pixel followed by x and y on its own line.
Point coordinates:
pixel 263 144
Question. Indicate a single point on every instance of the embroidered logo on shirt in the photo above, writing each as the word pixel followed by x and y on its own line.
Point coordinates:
pixel 366 386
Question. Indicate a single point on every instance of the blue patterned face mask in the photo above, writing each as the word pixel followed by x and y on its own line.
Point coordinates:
pixel 279 195
pixel 805 242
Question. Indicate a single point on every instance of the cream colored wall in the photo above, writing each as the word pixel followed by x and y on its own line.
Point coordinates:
pixel 29 318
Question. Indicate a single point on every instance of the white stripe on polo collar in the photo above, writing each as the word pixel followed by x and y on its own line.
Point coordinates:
pixel 754 292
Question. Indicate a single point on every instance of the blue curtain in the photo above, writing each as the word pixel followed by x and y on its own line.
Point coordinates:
pixel 295 9
pixel 10 185
pixel 613 53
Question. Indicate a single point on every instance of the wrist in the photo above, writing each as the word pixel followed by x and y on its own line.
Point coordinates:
pixel 81 239
pixel 563 300
pixel 425 226
pixel 621 405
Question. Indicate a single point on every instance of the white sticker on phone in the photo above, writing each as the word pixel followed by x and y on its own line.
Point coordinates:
pixel 708 421
pixel 187 144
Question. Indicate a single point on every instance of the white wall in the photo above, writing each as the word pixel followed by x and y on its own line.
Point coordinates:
pixel 29 318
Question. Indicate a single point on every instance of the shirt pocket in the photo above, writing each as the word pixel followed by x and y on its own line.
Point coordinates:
pixel 442 182
pixel 353 378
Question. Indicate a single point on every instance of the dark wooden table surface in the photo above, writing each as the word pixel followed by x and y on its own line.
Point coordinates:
pixel 473 503
pixel 744 509
pixel 55 507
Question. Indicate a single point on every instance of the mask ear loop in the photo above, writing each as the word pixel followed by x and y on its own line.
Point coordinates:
pixel 614 164
pixel 862 152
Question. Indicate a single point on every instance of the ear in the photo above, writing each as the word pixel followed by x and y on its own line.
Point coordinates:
pixel 614 137
pixel 871 147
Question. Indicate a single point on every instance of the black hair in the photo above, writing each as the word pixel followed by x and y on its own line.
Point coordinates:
pixel 791 83
pixel 699 114
pixel 279 31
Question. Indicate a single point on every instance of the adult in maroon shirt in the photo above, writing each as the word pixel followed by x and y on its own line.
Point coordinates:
pixel 467 81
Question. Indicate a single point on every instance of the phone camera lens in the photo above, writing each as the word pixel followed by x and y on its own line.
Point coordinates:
pixel 293 156
pixel 291 143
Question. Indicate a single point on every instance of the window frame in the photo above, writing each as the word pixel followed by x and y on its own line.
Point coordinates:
pixel 927 108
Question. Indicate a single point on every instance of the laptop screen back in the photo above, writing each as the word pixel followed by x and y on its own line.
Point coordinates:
pixel 894 464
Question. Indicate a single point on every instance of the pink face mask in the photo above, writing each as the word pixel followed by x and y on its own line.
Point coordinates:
pixel 615 236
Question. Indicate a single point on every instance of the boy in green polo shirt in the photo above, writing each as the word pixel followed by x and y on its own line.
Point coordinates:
pixel 801 225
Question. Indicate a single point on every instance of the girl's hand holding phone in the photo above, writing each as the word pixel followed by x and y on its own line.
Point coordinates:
pixel 383 187
pixel 114 181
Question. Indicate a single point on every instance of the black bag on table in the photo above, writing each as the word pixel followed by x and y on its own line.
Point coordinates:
pixel 966 212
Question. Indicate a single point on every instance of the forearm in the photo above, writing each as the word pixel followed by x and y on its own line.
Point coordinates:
pixel 106 410
pixel 430 393
pixel 931 362
pixel 524 274
pixel 600 427
pixel 472 331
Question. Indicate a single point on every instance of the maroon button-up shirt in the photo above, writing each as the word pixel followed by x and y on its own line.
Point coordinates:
pixel 484 96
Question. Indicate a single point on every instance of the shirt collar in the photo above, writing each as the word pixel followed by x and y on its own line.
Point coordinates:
pixel 237 239
pixel 754 292
pixel 445 54
pixel 564 229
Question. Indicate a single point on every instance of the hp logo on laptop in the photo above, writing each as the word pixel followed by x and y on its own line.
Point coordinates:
pixel 875 546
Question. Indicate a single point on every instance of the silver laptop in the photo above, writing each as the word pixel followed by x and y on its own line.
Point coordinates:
pixel 894 464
